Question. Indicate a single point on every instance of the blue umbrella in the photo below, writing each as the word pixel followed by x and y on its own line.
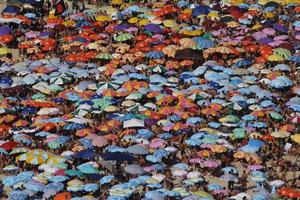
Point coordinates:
pixel 256 143
pixel 230 169
pixel 204 43
pixel 11 9
pixel 106 179
pixel 249 148
pixel 201 10
pixel 57 186
pixel 17 195
pixel 30 15
pixel 154 54
pixel 85 154
pixel 90 187
pixel 35 186
pixel 214 186
pixel 74 126
pixel 281 82
pixel 117 156
pixel 10 180
pixel 295 59
pixel 58 178
pixel 138 150
pixel 183 4
pixel 242 62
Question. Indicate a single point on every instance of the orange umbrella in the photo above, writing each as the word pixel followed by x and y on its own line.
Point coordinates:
pixel 204 153
pixel 208 111
pixel 63 196
pixel 216 106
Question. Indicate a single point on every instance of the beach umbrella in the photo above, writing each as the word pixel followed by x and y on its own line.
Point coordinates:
pixel 124 37
pixel 134 169
pixel 104 56
pixel 18 195
pixel 117 156
pixel 138 150
pixel 85 154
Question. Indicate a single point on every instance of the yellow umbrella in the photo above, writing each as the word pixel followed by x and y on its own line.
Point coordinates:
pixel 256 26
pixel 187 43
pixel 192 33
pixel 280 134
pixel 4 51
pixel 233 24
pixel 144 22
pixel 69 23
pixel 133 20
pixel 296 138
pixel 170 50
pixel 214 16
pixel 56 160
pixel 109 10
pixel 102 18
pixel 116 2
pixel 187 11
pixel 36 160
pixel 223 50
pixel 275 57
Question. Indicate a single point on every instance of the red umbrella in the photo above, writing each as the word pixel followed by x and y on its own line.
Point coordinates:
pixel 9 145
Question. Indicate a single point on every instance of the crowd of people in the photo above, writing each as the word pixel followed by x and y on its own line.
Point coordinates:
pixel 150 100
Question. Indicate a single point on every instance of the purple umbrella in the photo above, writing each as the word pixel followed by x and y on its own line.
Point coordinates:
pixel 281 28
pixel 266 40
pixel 269 31
pixel 153 28
pixel 121 27
pixel 4 30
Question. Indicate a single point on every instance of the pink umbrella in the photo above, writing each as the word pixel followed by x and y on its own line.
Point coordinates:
pixel 276 43
pixel 132 29
pixel 297 37
pixel 281 37
pixel 255 167
pixel 224 192
pixel 91 136
pixel 205 146
pixel 157 143
pixel 99 141
pixel 269 31
pixel 196 160
pixel 210 164
pixel 32 34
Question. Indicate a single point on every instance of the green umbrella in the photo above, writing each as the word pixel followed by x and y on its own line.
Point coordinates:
pixel 73 172
pixel 101 103
pixel 202 194
pixel 124 37
pixel 55 87
pixel 38 96
pixel 276 116
pixel 104 56
pixel 209 140
pixel 134 96
pixel 283 52
pixel 159 69
pixel 239 133
pixel 60 80
pixel 229 119
pixel 18 150
pixel 54 145
pixel 88 169
pixel 104 85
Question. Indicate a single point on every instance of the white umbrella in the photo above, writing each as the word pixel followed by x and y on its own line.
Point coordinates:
pixel 133 123
pixel 48 111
